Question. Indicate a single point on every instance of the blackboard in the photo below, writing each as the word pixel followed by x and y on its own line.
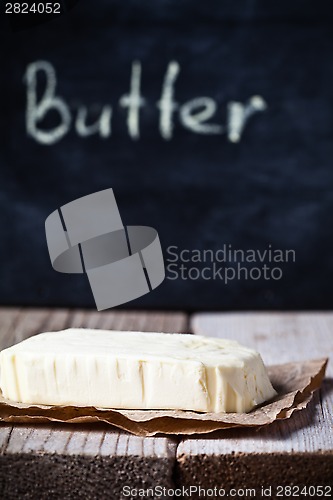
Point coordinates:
pixel 178 159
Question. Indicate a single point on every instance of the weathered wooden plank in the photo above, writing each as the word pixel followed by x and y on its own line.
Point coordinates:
pixel 95 461
pixel 280 337
pixel 295 451
pixel 8 319
pixel 89 462
pixel 5 432
pixel 88 440
pixel 19 323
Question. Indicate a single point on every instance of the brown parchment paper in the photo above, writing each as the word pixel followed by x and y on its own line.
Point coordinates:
pixel 294 382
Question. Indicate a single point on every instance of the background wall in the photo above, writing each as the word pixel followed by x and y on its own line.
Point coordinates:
pixel 198 188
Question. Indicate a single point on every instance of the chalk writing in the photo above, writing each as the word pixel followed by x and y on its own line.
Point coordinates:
pixel 194 115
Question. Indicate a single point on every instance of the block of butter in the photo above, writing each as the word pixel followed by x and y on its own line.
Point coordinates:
pixel 134 370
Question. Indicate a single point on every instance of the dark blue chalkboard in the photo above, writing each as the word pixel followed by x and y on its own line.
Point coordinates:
pixel 269 188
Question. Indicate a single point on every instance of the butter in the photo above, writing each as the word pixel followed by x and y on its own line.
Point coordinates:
pixel 134 370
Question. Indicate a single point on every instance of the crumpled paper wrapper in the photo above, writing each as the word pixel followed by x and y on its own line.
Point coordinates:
pixel 294 382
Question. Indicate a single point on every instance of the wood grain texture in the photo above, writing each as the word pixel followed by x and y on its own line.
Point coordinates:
pixel 60 461
pixel 280 337
pixel 95 461
pixel 295 451
pixel 17 324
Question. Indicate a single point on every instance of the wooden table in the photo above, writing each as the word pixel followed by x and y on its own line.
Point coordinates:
pixel 97 461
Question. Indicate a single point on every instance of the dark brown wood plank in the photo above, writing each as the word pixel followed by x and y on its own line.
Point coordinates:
pixel 58 461
pixel 71 461
pixel 295 451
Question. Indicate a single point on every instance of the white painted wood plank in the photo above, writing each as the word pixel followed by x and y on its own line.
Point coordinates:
pixel 279 337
